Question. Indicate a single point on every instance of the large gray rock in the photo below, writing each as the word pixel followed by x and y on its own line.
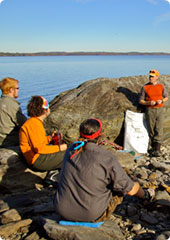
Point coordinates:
pixel 15 176
pixel 103 98
pixel 109 230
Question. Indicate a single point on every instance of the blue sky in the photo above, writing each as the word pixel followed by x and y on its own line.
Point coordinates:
pixel 85 25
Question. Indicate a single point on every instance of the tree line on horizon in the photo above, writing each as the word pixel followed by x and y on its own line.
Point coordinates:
pixel 3 54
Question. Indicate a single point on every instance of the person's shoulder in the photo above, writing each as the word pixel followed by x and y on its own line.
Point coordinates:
pixel 160 84
pixel 101 150
pixel 147 84
pixel 9 103
pixel 32 121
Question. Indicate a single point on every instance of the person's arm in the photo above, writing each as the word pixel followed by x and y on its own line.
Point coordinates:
pixel 20 118
pixel 164 97
pixel 147 103
pixel 138 191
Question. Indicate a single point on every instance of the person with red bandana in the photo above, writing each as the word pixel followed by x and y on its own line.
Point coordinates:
pixel 92 182
pixel 153 96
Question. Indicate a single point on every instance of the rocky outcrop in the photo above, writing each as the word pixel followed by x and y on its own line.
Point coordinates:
pixel 15 176
pixel 103 98
pixel 30 214
pixel 26 206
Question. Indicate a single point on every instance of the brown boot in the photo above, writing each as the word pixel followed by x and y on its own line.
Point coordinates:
pixel 157 152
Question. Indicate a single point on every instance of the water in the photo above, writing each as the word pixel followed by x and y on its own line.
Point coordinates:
pixel 48 76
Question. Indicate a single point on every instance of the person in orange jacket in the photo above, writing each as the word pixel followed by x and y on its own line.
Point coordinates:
pixel 153 96
pixel 34 144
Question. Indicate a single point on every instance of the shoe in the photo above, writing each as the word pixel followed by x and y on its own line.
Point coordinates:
pixel 52 178
pixel 156 153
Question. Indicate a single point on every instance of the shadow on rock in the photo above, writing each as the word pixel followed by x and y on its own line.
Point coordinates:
pixel 15 176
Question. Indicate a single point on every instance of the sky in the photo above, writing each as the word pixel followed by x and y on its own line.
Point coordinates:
pixel 84 25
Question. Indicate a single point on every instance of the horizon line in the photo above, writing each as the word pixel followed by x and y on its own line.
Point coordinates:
pixel 53 53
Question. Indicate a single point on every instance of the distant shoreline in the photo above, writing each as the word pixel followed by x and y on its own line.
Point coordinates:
pixel 6 54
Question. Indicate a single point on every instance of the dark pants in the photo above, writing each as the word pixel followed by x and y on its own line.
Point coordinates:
pixel 48 162
pixel 154 117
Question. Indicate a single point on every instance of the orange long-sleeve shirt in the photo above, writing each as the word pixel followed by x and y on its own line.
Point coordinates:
pixel 33 140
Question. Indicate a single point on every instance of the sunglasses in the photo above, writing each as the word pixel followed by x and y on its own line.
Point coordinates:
pixel 152 72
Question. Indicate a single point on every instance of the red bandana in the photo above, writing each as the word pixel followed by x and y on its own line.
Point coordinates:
pixel 94 135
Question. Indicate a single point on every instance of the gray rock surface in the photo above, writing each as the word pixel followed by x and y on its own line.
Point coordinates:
pixel 15 176
pixel 109 230
pixel 25 215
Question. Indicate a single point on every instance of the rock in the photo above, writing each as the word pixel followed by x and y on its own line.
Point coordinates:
pixel 163 236
pixel 3 206
pixel 149 218
pixel 131 210
pixel 160 165
pixel 10 216
pixel 162 195
pixel 8 229
pixel 15 176
pixel 103 98
pixel 109 230
pixel 136 227
pixel 32 236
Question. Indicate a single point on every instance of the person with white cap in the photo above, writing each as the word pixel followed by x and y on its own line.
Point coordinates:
pixel 153 96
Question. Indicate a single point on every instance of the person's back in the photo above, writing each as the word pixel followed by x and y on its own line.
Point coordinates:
pixel 92 182
pixel 11 117
pixel 84 183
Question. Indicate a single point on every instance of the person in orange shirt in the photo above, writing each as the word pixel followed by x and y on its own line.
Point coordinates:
pixel 153 96
pixel 34 144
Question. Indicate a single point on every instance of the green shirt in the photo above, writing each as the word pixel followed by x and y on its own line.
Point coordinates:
pixel 11 119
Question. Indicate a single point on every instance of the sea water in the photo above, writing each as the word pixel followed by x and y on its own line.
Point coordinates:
pixel 50 75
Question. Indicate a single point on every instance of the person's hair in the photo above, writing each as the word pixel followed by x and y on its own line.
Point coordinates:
pixel 34 107
pixel 89 127
pixel 7 83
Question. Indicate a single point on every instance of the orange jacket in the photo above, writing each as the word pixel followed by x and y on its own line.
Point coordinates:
pixel 154 93
pixel 33 140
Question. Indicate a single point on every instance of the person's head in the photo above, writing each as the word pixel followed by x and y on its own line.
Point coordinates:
pixel 153 76
pixel 38 106
pixel 9 86
pixel 90 130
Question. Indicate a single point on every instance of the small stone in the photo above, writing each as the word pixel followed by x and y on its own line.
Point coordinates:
pixel 131 210
pixel 10 216
pixel 149 218
pixel 32 236
pixel 136 227
pixel 3 206
pixel 11 228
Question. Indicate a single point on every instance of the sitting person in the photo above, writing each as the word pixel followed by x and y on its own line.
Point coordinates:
pixel 34 144
pixel 11 117
pixel 92 182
